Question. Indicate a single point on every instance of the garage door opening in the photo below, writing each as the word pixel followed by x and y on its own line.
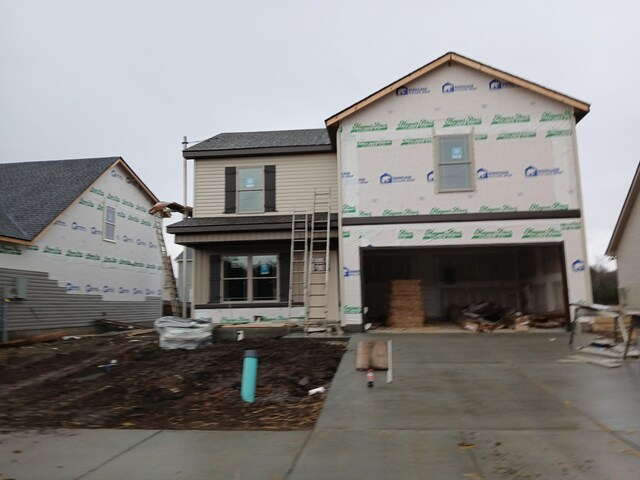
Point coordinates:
pixel 530 279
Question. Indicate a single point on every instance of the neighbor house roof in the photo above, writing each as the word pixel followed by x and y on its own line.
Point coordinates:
pixel 34 194
pixel 579 107
pixel 262 143
pixel 625 213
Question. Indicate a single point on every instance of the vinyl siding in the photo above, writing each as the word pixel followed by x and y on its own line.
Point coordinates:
pixel 49 307
pixel 297 176
pixel 629 252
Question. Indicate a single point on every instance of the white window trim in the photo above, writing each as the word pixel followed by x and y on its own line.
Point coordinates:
pixel 238 189
pixel 471 162
pixel 105 223
pixel 249 278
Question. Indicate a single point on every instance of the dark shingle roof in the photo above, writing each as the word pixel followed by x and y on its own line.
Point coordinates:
pixel 32 194
pixel 223 142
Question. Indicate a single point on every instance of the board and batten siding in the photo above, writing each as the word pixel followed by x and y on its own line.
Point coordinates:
pixel 628 255
pixel 297 177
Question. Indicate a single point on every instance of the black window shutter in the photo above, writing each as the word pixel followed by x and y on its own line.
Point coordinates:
pixel 214 279
pixel 285 260
pixel 230 190
pixel 269 188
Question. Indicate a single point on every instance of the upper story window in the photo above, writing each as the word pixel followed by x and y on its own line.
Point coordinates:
pixel 250 189
pixel 455 164
pixel 109 230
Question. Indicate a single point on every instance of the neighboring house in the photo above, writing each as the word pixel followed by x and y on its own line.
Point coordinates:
pixel 77 234
pixel 625 246
pixel 458 174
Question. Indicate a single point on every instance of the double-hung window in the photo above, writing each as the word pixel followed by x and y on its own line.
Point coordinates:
pixel 455 164
pixel 109 230
pixel 247 278
pixel 250 190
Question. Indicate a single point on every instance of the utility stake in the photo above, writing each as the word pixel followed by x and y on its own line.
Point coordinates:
pixel 389 363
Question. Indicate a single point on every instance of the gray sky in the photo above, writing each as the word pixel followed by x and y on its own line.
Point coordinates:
pixel 86 78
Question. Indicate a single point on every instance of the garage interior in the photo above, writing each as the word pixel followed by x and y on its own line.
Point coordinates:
pixel 529 278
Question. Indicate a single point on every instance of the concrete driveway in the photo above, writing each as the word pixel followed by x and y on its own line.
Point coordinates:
pixel 461 406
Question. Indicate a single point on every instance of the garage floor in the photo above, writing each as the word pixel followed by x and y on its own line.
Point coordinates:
pixel 460 407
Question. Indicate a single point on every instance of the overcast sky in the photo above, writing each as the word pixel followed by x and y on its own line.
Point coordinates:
pixel 89 78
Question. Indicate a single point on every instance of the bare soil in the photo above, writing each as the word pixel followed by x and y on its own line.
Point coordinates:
pixel 66 384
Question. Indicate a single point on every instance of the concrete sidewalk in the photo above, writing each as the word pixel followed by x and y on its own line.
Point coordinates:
pixel 462 406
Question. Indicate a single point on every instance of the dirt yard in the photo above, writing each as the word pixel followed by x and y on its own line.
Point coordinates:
pixel 67 384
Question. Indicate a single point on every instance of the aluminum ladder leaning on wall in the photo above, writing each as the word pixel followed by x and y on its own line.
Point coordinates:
pixel 298 262
pixel 316 303
pixel 169 277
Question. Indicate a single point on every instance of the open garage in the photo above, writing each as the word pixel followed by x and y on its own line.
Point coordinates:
pixel 530 278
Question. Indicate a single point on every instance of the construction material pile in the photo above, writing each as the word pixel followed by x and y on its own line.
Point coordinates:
pixel 488 317
pixel 405 304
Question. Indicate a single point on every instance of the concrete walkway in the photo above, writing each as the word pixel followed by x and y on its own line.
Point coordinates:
pixel 462 406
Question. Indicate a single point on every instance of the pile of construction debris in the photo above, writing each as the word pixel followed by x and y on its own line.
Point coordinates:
pixel 489 316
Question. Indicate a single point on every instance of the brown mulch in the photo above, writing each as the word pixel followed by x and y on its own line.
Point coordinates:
pixel 60 384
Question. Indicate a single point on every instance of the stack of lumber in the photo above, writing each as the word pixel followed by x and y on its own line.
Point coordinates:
pixel 405 304
pixel 605 326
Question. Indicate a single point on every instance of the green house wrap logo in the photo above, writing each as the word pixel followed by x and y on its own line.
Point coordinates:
pixel 571 226
pixel 500 209
pixel 481 233
pixel 405 235
pixel 86 203
pixel 52 250
pixel 352 309
pixel 92 256
pixel 133 218
pixel 480 136
pixel 541 233
pixel 447 211
pixel 536 207
pixel 515 135
pixel 32 248
pixel 422 123
pixel 140 208
pixel 462 122
pixel 121 214
pixel 374 143
pixel 110 260
pixel 503 119
pixel 74 254
pixel 558 133
pixel 432 234
pixel 555 117
pixel 97 191
pixel 113 198
pixel 398 213
pixel 10 250
pixel 346 208
pixel 368 127
pixel 346 234
pixel 415 141
pixel 362 213
pixel 127 203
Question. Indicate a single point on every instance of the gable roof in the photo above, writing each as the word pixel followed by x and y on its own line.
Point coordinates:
pixel 34 194
pixel 579 107
pixel 627 207
pixel 262 143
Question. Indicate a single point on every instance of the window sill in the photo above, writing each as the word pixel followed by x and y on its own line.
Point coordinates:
pixel 230 306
